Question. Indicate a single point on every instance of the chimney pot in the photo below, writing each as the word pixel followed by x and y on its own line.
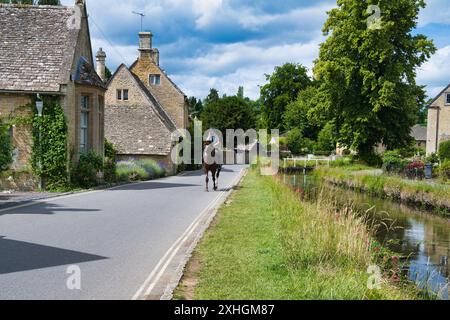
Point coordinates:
pixel 145 44
pixel 101 64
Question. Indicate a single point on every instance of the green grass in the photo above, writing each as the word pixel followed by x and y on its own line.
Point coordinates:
pixel 266 244
pixel 435 196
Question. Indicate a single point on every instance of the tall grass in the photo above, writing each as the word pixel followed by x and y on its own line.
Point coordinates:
pixel 267 244
pixel 433 196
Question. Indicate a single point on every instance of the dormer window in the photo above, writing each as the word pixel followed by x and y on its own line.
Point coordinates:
pixel 155 79
pixel 122 94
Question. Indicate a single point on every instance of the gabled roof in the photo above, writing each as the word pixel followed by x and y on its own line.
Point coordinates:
pixel 165 118
pixel 419 133
pixel 437 97
pixel 37 46
pixel 165 74
pixel 138 129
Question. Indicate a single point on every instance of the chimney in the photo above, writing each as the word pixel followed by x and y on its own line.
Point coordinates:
pixel 145 44
pixel 155 56
pixel 101 65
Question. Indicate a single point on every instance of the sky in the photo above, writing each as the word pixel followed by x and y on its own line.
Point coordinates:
pixel 225 44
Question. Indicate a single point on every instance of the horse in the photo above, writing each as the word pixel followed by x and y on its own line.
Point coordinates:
pixel 214 168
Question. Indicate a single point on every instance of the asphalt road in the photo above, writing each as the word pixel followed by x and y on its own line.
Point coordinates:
pixel 115 237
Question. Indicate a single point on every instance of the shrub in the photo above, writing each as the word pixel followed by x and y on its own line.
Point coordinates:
pixel 432 159
pixel 294 141
pixel 415 169
pixel 393 162
pixel 84 173
pixel 326 142
pixel 5 148
pixel 346 152
pixel 444 150
pixel 110 162
pixel 444 170
pixel 130 171
pixel 152 168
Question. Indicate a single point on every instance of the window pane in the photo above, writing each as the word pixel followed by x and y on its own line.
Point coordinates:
pixel 125 94
pixel 448 98
pixel 119 94
pixel 84 131
pixel 155 79
pixel 84 102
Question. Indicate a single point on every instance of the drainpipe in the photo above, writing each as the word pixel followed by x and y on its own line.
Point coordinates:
pixel 437 128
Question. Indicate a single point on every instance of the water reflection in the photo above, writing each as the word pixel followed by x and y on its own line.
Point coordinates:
pixel 422 237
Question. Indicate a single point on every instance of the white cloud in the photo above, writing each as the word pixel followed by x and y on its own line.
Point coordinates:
pixel 246 65
pixel 436 72
pixel 437 11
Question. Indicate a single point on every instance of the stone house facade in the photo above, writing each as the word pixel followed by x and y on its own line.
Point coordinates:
pixel 45 51
pixel 438 121
pixel 143 106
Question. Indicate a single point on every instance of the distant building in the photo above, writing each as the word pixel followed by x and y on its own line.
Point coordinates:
pixel 419 133
pixel 42 53
pixel 438 121
pixel 143 107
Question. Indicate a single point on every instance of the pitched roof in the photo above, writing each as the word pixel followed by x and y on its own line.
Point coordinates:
pixel 440 93
pixel 139 129
pixel 419 133
pixel 37 47
pixel 165 118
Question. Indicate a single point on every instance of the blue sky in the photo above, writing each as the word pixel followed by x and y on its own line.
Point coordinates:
pixel 228 43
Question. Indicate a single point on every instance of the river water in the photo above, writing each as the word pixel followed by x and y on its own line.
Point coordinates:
pixel 422 237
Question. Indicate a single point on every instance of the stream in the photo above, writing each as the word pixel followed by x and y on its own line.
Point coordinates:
pixel 417 234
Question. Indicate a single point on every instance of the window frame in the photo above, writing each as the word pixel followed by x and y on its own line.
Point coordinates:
pixel 125 97
pixel 154 76
pixel 84 123
pixel 119 94
pixel 447 98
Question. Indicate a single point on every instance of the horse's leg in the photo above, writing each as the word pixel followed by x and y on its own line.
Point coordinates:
pixel 214 179
pixel 207 180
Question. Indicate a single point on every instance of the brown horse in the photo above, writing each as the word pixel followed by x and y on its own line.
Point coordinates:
pixel 214 168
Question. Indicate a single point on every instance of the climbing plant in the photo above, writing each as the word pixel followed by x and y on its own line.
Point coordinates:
pixel 5 147
pixel 50 155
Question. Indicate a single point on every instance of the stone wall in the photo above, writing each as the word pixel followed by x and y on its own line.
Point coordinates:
pixel 438 123
pixel 22 137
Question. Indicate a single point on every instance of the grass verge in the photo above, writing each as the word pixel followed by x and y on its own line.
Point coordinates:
pixel 266 244
pixel 422 194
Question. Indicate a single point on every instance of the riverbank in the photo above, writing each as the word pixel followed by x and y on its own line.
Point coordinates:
pixel 281 248
pixel 434 197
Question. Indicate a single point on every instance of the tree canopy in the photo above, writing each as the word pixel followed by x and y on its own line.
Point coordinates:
pixel 283 87
pixel 367 75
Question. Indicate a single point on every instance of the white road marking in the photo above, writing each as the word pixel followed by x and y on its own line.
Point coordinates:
pixel 149 283
pixel 152 274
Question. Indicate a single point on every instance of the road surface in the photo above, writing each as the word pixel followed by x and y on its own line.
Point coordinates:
pixel 111 243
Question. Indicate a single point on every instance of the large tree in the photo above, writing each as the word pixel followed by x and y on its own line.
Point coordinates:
pixel 283 87
pixel 228 113
pixel 298 114
pixel 367 74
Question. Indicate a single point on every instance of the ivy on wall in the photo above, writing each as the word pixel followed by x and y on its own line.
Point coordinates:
pixel 5 147
pixel 50 152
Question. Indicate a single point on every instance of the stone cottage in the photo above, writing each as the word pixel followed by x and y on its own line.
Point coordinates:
pixel 143 106
pixel 45 51
pixel 419 133
pixel 438 121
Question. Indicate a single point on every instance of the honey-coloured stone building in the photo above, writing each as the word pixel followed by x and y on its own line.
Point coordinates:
pixel 45 51
pixel 143 106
